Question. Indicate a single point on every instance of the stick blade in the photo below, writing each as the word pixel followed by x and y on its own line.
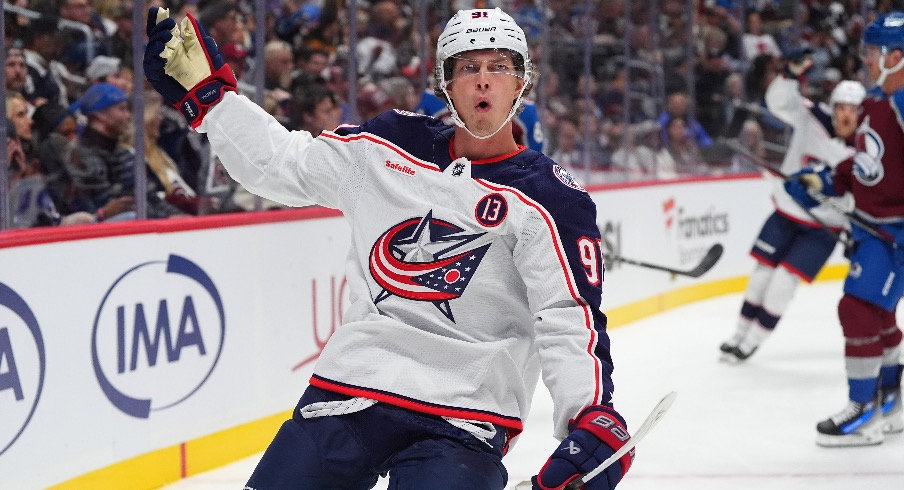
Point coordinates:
pixel 709 260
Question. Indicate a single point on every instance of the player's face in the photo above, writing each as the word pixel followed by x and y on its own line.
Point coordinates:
pixel 871 56
pixel 483 86
pixel 846 116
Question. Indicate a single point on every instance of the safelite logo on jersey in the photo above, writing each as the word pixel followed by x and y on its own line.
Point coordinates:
pixel 22 366
pixel 399 167
pixel 157 336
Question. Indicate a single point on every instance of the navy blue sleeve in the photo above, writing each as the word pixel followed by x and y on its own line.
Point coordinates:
pixel 421 136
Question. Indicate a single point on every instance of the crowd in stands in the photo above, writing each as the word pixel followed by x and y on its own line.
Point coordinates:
pixel 694 80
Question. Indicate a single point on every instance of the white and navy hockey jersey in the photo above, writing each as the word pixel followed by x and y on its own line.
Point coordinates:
pixel 811 143
pixel 466 277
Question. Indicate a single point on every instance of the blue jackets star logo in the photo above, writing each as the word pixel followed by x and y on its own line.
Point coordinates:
pixel 426 259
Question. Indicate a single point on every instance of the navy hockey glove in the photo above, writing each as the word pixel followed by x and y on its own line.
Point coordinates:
pixel 801 183
pixel 185 65
pixel 595 435
pixel 798 64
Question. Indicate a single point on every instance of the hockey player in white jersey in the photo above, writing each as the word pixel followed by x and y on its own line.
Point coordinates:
pixel 794 243
pixel 475 266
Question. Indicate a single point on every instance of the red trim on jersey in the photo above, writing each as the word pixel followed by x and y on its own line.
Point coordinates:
pixel 44 235
pixel 514 426
pixel 484 161
pixel 762 260
pixel 568 280
pixel 796 272
pixel 658 183
pixel 402 153
pixel 808 224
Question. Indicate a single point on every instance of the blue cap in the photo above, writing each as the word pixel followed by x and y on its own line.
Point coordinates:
pixel 97 98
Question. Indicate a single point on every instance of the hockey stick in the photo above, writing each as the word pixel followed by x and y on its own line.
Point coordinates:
pixel 737 147
pixel 709 260
pixel 819 197
pixel 651 421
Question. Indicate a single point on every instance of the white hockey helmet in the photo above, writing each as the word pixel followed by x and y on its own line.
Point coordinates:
pixel 847 92
pixel 475 29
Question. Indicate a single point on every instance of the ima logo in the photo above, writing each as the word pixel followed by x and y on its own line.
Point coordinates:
pixel 426 259
pixel 157 336
pixel 22 365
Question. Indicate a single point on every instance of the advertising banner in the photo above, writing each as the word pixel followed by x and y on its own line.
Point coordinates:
pixel 119 343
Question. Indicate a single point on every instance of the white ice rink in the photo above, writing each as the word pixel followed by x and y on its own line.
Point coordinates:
pixel 732 427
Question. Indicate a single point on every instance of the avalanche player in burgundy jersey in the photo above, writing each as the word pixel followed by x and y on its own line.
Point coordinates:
pixel 475 265
pixel 794 243
pixel 875 177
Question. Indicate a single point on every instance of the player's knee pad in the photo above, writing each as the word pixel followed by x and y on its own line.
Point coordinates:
pixel 861 323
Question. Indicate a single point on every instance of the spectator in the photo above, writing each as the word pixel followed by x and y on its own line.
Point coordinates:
pixel 101 168
pixel 41 49
pixel 121 39
pixel 108 69
pixel 55 134
pixel 327 34
pixel 386 22
pixel 277 65
pixel 734 108
pixel 310 65
pixel 75 46
pixel 220 18
pixel 677 106
pixel 16 71
pixel 679 156
pixel 372 100
pixel 162 170
pixel 711 72
pixel 30 202
pixel 755 41
pixel 316 109
pixel 376 58
pixel 401 91
pixel 566 151
pixel 751 138
pixel 636 159
pixel 236 55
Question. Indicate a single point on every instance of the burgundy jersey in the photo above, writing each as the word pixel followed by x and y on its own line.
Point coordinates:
pixel 877 181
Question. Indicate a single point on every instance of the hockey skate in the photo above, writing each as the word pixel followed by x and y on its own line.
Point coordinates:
pixel 859 424
pixel 892 410
pixel 746 346
pixel 732 343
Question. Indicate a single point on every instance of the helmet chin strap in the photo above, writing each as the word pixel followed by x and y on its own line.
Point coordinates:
pixel 458 122
pixel 885 72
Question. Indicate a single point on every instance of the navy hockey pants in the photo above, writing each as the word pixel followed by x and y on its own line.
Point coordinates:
pixel 351 451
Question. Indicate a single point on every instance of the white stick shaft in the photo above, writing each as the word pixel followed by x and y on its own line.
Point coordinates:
pixel 652 419
pixel 655 416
